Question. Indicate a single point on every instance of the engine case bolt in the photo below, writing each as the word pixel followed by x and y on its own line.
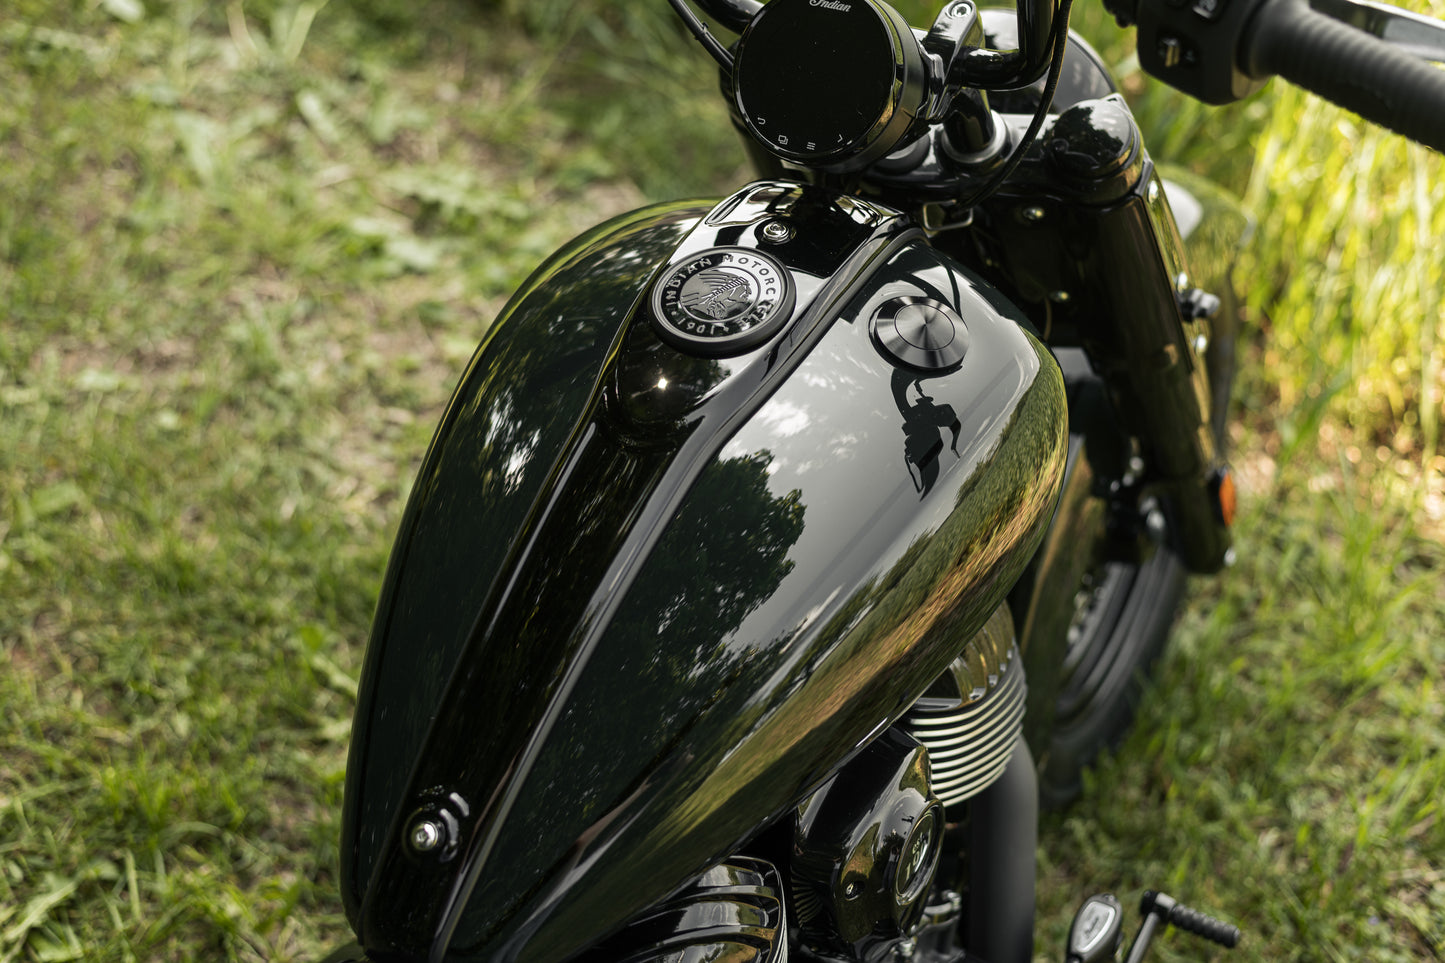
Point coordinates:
pixel 1033 213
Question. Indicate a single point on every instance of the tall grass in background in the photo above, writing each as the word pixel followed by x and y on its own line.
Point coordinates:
pixel 245 249
pixel 1343 277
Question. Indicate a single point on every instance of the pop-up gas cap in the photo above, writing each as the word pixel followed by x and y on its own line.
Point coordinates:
pixel 921 333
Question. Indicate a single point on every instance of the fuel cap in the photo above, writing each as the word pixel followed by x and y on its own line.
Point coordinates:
pixel 921 333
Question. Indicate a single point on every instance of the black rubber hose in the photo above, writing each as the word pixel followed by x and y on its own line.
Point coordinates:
pixel 1354 69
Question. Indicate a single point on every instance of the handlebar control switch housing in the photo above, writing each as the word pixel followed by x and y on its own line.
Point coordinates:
pixel 1193 45
pixel 831 85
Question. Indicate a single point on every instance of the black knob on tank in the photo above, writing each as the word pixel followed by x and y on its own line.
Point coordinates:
pixel 830 84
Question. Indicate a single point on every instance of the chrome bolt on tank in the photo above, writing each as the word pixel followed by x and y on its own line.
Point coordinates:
pixel 426 835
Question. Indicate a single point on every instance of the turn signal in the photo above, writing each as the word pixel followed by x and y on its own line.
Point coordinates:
pixel 1221 488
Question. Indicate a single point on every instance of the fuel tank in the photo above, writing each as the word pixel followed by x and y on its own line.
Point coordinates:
pixel 723 490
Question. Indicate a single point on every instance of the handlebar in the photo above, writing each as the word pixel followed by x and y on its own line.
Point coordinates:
pixel 1222 50
pixel 1219 51
pixel 987 69
pixel 732 14
pixel 1347 66
pixel 1412 33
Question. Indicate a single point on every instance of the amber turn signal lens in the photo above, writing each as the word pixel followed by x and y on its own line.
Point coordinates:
pixel 1225 499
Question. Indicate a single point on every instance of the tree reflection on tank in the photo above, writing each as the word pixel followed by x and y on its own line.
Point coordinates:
pixel 724 554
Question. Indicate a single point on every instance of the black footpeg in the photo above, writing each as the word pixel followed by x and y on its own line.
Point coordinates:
pixel 1159 909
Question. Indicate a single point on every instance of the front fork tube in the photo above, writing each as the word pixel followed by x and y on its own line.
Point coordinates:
pixel 1154 372
pixel 1101 259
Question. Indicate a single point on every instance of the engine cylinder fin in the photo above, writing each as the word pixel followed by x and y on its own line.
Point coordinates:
pixel 960 730
pixel 948 771
pixel 733 911
pixel 960 786
pixel 970 745
pixel 977 777
pixel 947 737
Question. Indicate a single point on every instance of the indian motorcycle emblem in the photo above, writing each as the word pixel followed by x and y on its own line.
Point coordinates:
pixel 722 301
pixel 717 293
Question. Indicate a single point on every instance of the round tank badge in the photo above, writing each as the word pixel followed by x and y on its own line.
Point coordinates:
pixel 722 301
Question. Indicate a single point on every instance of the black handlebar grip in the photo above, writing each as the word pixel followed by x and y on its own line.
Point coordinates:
pixel 1348 66
pixel 1193 921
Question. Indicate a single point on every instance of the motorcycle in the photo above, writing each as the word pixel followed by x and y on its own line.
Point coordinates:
pixel 777 556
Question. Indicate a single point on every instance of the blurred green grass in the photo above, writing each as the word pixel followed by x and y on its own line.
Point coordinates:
pixel 245 250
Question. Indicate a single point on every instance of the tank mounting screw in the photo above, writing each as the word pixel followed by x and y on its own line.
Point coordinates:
pixel 1033 213
pixel 426 835
pixel 776 232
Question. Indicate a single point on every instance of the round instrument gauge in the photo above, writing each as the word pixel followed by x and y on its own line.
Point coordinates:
pixel 829 84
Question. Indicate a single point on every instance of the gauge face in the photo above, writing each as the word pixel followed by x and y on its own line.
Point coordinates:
pixel 815 79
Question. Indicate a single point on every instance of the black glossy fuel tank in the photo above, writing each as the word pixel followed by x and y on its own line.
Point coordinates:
pixel 645 597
